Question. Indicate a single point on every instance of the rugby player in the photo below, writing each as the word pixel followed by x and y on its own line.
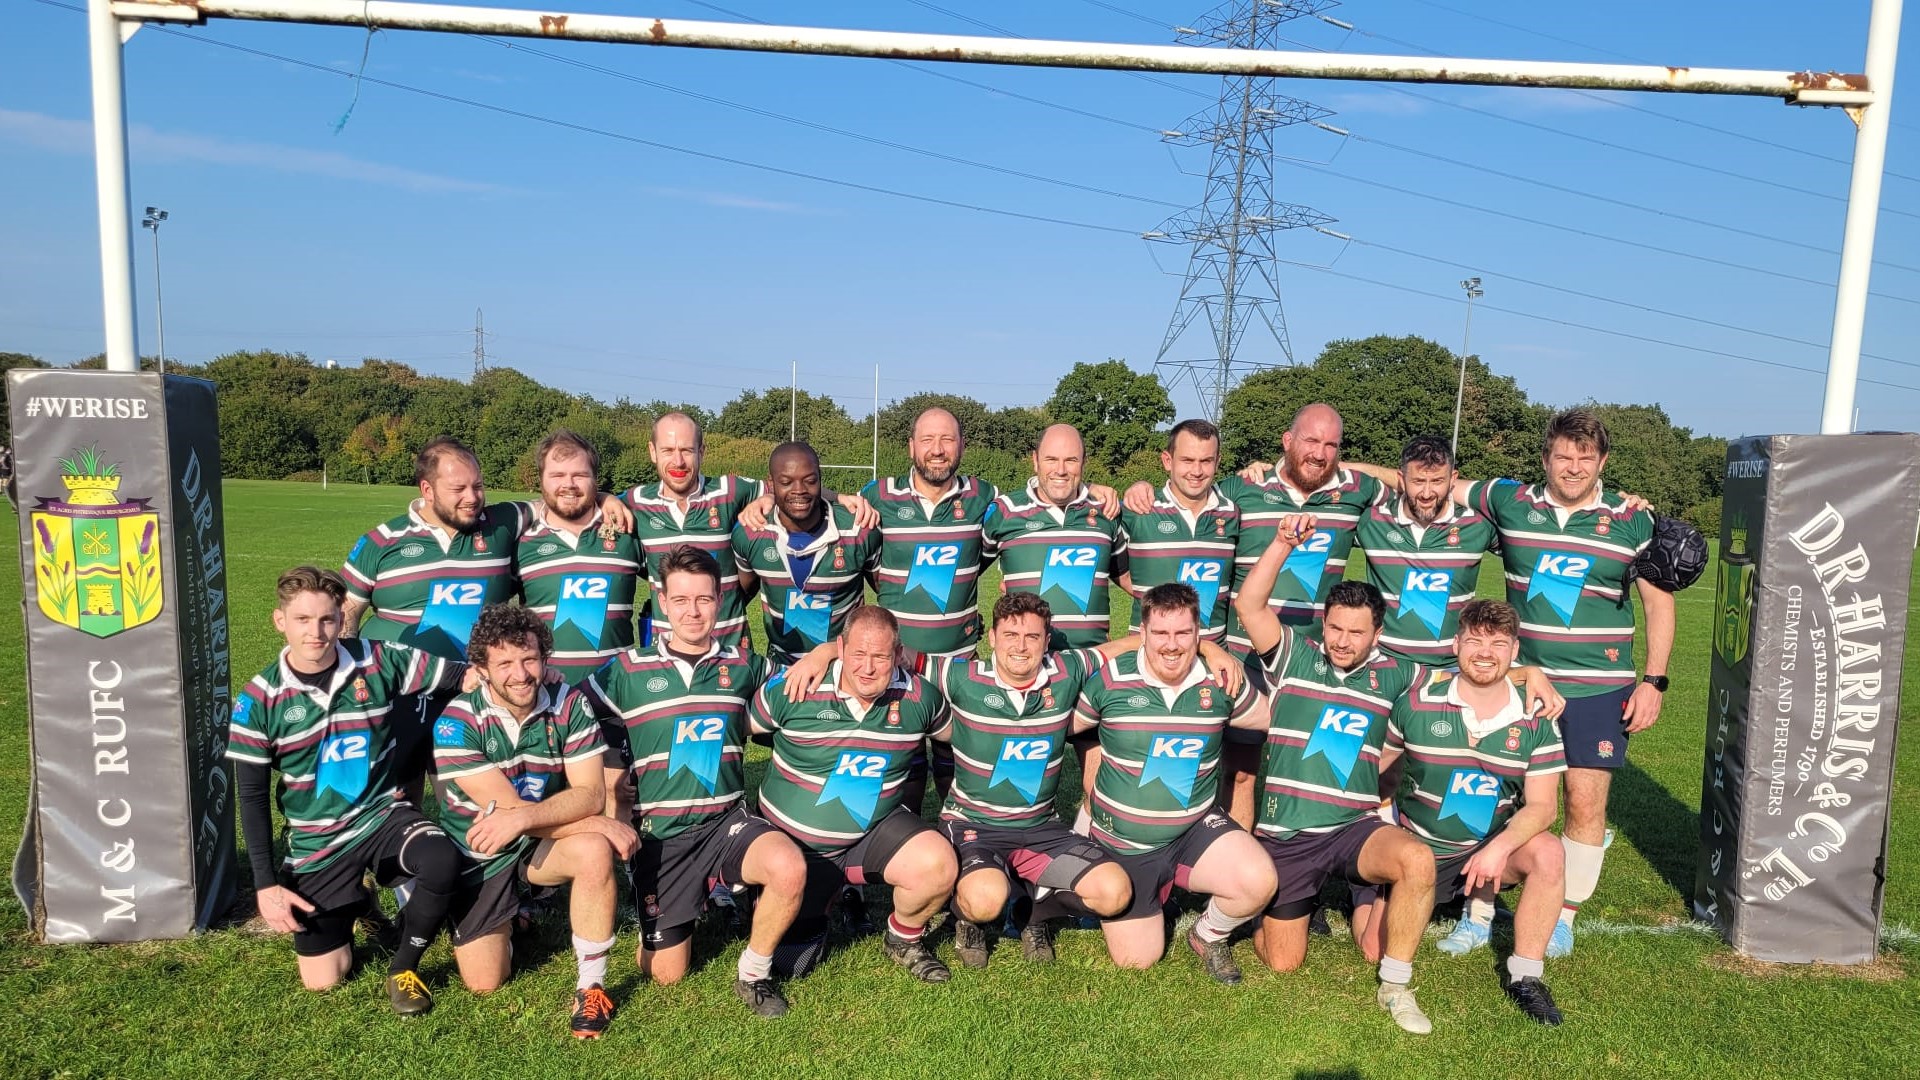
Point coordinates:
pixel 1480 784
pixel 1567 545
pixel 840 758
pixel 686 506
pixel 577 571
pixel 810 561
pixel 1011 713
pixel 674 716
pixel 1189 533
pixel 1057 540
pixel 1162 719
pixel 320 715
pixel 1423 553
pixel 518 775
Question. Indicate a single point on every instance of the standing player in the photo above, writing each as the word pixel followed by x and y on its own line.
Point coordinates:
pixel 1423 554
pixel 930 520
pixel 840 757
pixel 1568 546
pixel 1188 533
pixel 577 572
pixel 1162 720
pixel 1480 783
pixel 686 506
pixel 1011 712
pixel 520 790
pixel 675 719
pixel 1056 540
pixel 320 716
pixel 810 561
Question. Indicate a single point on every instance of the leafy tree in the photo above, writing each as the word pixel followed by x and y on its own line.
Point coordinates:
pixel 9 361
pixel 261 436
pixel 1116 408
pixel 285 376
pixel 516 414
pixel 896 420
pixel 764 414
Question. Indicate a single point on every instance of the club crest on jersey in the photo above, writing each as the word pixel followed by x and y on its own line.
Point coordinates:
pixel 932 572
pixel 968 836
pixel 1472 797
pixel 839 557
pixel 1071 569
pixel 1453 536
pixel 606 543
pixel 1338 737
pixel 1203 575
pixel 1558 577
pixel 1022 763
pixel 1046 697
pixel 480 544
pixel 1174 760
pixel 1307 562
pixel 697 743
pixel 725 676
pixel 1613 655
pixel 1602 527
pixel 1513 739
pixel 1206 697
pixel 855 784
pixel 1219 526
pixel 360 691
pixel 1373 679
pixel 713 517
pixel 893 715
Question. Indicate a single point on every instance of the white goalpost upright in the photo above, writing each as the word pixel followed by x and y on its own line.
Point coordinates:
pixel 1867 97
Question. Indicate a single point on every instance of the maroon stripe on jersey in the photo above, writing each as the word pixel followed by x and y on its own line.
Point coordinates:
pixel 449 570
pixel 1362 801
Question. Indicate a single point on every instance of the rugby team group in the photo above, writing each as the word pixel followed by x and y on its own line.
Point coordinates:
pixel 479 709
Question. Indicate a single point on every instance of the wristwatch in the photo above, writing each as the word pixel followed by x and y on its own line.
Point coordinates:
pixel 1658 682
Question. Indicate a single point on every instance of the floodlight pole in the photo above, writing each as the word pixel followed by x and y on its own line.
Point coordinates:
pixel 1474 291
pixel 110 181
pixel 1863 213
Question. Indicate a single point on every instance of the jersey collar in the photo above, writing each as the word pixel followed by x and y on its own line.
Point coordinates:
pixel 831 684
pixel 1082 498
pixel 1196 674
pixel 442 535
pixel 345 667
pixel 903 485
pixel 1049 667
pixel 545 705
pixel 1512 712
pixel 542 526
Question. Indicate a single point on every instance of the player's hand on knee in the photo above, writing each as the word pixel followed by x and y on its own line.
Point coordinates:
pixel 278 906
pixel 621 835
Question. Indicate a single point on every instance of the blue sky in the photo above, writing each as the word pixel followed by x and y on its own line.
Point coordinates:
pixel 621 269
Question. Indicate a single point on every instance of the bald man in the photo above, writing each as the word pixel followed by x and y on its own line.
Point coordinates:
pixel 1054 539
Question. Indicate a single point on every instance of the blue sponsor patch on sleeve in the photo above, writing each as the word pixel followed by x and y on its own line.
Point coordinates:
pixel 358 546
pixel 446 732
pixel 242 709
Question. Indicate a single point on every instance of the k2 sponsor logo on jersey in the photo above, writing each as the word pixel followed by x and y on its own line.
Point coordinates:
pixel 809 615
pixel 1204 576
pixel 1071 569
pixel 1424 595
pixel 343 764
pixel 1472 797
pixel 583 604
pixel 1174 760
pixel 452 607
pixel 1558 577
pixel 1308 561
pixel 697 745
pixel 855 784
pixel 1022 763
pixel 932 571
pixel 1338 737
pixel 530 787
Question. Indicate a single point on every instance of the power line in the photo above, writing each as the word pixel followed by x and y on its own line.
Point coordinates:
pixel 1582 326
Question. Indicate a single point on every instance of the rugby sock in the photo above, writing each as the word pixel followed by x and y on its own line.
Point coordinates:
pixel 1396 972
pixel 902 930
pixel 419 921
pixel 1519 967
pixel 754 967
pixel 1214 925
pixel 591 956
pixel 1583 875
pixel 1480 912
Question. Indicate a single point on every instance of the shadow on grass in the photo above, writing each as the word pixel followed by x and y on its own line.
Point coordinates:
pixel 1348 1073
pixel 1664 830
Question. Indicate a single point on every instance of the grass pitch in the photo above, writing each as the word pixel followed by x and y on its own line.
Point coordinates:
pixel 1645 993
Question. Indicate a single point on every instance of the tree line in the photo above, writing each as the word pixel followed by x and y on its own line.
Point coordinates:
pixel 283 417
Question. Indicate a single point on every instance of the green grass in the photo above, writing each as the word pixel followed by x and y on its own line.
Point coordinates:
pixel 1645 994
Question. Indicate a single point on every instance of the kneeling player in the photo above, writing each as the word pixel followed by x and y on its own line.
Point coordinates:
pixel 674 715
pixel 320 716
pixel 1010 718
pixel 1480 783
pixel 1162 719
pixel 840 756
pixel 521 790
